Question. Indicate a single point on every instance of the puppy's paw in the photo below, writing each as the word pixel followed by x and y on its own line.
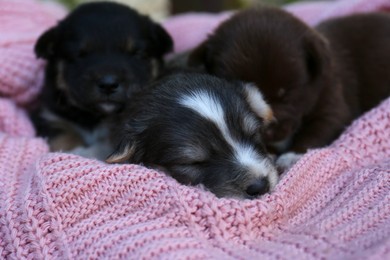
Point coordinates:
pixel 287 160
pixel 86 152
pixel 99 152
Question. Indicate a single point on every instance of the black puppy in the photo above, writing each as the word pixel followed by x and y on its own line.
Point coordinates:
pixel 201 130
pixel 97 58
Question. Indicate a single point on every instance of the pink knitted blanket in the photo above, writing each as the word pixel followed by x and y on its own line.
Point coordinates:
pixel 333 204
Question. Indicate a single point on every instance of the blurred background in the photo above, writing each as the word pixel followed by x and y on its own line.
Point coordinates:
pixel 160 9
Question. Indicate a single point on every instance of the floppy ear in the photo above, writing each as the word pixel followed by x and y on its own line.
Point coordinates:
pixel 257 103
pixel 317 55
pixel 162 41
pixel 124 152
pixel 44 48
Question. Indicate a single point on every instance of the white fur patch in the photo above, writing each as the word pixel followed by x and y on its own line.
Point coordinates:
pixel 257 103
pixel 108 107
pixel 257 166
pixel 206 105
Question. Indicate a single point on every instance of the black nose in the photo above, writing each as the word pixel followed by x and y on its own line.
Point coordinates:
pixel 108 84
pixel 258 187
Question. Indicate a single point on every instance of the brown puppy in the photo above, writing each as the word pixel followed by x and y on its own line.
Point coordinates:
pixel 315 81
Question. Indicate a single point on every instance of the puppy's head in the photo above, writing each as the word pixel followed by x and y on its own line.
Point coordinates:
pixel 201 130
pixel 101 54
pixel 285 59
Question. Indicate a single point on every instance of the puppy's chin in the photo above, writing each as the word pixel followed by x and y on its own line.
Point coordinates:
pixel 108 108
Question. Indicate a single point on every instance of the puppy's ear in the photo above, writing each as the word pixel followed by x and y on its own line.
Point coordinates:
pixel 125 152
pixel 44 48
pixel 317 55
pixel 257 103
pixel 162 41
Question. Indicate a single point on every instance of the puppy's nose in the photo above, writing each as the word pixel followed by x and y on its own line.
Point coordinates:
pixel 258 187
pixel 108 84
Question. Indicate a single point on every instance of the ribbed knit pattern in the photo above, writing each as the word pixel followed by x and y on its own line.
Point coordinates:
pixel 21 23
pixel 333 204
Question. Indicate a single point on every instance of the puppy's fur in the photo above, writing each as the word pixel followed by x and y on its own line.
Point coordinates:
pixel 201 130
pixel 315 81
pixel 97 58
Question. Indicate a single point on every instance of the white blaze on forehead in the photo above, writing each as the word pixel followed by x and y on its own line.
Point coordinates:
pixel 257 103
pixel 207 106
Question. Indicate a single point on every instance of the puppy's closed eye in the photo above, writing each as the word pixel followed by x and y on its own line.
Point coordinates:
pixel 189 162
pixel 140 53
pixel 252 126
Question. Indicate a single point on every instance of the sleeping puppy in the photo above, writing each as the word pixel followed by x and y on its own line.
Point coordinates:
pixel 98 57
pixel 201 130
pixel 316 82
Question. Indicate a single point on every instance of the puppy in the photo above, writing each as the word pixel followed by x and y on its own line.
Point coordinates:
pixel 316 81
pixel 201 130
pixel 98 57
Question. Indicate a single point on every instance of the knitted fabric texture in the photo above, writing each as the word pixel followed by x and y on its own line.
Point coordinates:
pixel 333 204
pixel 21 23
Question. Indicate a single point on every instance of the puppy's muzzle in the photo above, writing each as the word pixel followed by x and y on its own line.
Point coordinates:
pixel 109 84
pixel 258 187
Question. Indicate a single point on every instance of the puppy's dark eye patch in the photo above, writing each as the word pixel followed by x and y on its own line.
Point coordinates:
pixel 257 137
pixel 136 50
pixel 141 53
pixel 82 52
pixel 193 163
pixel 75 49
pixel 251 125
pixel 186 174
pixel 184 161
pixel 190 154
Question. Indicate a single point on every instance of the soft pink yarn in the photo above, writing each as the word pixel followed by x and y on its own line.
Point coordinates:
pixel 333 204
pixel 21 23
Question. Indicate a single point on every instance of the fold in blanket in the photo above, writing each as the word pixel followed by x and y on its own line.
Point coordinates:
pixel 333 204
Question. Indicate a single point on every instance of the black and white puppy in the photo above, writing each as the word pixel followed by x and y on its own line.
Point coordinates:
pixel 98 57
pixel 201 130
